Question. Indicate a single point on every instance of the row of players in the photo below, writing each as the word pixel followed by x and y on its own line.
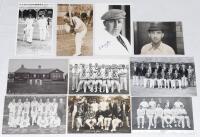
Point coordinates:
pixel 43 114
pixel 151 111
pixel 29 28
pixel 99 78
pixel 105 115
pixel 163 76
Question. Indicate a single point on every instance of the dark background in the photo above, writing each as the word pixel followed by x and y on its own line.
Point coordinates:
pixel 141 35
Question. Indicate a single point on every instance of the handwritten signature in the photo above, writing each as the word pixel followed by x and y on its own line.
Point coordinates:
pixel 106 45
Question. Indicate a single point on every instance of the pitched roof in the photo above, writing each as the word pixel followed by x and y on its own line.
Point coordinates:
pixel 35 71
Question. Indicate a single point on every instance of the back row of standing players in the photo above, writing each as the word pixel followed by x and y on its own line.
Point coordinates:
pixel 43 114
pixel 99 78
pixel 163 75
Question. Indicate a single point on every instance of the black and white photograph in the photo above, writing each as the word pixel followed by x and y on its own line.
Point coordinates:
pixel 34 36
pixel 163 76
pixel 34 115
pixel 162 113
pixel 99 76
pixel 112 30
pixel 75 30
pixel 99 114
pixel 158 38
pixel 37 76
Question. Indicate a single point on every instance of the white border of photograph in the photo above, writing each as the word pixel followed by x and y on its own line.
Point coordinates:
pixel 146 132
pixel 96 133
pixel 95 18
pixel 95 59
pixel 53 29
pixel 37 96
pixel 195 92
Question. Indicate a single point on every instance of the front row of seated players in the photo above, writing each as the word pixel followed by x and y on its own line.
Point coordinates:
pixel 25 114
pixel 169 117
pixel 107 115
pixel 170 76
pixel 99 78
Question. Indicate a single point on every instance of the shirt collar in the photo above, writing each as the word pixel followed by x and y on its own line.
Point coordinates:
pixel 158 48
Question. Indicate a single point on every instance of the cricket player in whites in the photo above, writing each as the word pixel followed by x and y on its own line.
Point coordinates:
pixel 24 121
pixel 28 30
pixel 98 82
pixel 184 116
pixel 12 110
pixel 115 80
pixel 40 107
pixel 42 22
pixel 75 77
pixel 79 29
pixel 167 115
pixel 123 78
pixel 48 109
pixel 19 108
pixel 42 121
pixel 34 110
pixel 54 121
pixel 158 114
pixel 150 114
pixel 26 106
pixel 140 116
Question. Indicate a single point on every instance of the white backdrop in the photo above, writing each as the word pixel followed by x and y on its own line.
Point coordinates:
pixel 186 11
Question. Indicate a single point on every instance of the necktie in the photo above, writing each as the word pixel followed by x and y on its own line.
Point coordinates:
pixel 122 42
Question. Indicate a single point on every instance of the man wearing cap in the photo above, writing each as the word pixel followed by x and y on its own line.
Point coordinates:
pixel 156 34
pixel 111 41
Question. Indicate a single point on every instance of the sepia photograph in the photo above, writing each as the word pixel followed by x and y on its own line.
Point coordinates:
pixel 34 115
pixel 162 113
pixel 74 30
pixel 99 114
pixel 158 38
pixel 37 76
pixel 34 36
pixel 98 76
pixel 112 30
pixel 163 76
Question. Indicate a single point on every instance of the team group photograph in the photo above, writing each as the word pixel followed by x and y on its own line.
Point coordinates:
pixel 34 115
pixel 166 76
pixel 162 113
pixel 34 36
pixel 99 114
pixel 101 77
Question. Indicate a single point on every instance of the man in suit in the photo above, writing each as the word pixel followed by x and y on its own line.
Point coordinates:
pixel 125 112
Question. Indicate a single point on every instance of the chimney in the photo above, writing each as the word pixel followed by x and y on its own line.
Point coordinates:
pixel 22 66
pixel 39 67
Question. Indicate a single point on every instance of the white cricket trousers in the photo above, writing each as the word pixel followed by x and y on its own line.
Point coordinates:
pixel 29 34
pixel 43 32
pixel 79 40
